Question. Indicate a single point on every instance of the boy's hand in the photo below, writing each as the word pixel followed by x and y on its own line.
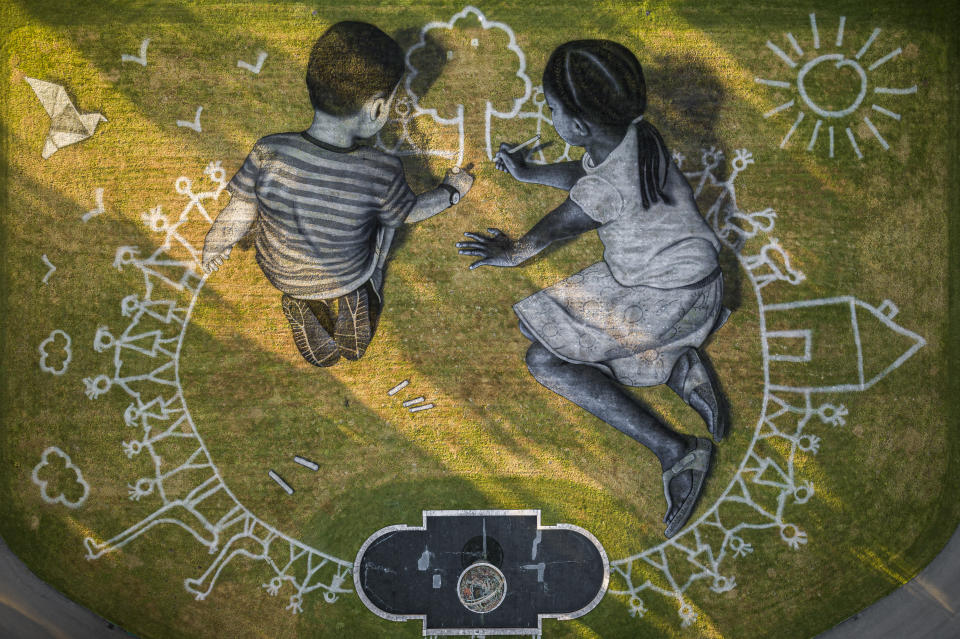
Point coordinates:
pixel 211 264
pixel 459 179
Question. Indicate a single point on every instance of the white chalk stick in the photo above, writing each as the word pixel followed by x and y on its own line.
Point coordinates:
pixel 411 402
pixel 524 145
pixel 399 387
pixel 416 409
pixel 306 463
pixel 277 478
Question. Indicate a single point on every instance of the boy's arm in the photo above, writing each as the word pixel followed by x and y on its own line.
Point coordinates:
pixel 455 185
pixel 231 225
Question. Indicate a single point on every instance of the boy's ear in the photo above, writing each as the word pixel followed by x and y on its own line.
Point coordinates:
pixel 375 108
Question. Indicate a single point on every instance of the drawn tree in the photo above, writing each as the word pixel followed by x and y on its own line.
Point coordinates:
pixel 466 70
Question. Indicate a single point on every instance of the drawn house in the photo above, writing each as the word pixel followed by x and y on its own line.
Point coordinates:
pixel 833 344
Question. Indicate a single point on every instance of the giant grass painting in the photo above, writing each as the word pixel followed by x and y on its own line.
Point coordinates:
pixel 153 413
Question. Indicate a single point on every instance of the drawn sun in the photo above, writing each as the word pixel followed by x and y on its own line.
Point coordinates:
pixel 834 88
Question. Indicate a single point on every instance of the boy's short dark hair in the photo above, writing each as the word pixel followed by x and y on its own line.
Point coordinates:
pixel 349 63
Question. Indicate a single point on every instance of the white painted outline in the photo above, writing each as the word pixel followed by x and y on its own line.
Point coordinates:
pixel 866 45
pixel 841 60
pixel 884 314
pixel 793 128
pixel 735 228
pixel 490 111
pixel 794 44
pixel 876 133
pixel 50 268
pixel 813 136
pixel 42 349
pixel 257 66
pixel 890 91
pixel 159 412
pixel 785 415
pixel 781 54
pixel 140 59
pixel 481 513
pixel 853 144
pixel 885 58
pixel 59 499
pixel 806 335
pixel 194 124
pixel 92 213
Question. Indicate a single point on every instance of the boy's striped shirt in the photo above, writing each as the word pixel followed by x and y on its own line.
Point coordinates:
pixel 319 208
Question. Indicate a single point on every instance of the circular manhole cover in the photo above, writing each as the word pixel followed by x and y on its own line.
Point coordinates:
pixel 481 587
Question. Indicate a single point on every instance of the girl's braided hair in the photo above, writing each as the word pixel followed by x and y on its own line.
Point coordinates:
pixel 602 82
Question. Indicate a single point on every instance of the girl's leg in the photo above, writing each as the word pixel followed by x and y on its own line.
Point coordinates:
pixel 312 340
pixel 590 389
pixel 357 316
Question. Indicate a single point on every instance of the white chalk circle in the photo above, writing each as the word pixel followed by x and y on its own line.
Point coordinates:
pixel 481 587
pixel 841 62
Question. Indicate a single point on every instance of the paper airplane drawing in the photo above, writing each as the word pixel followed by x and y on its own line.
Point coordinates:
pixel 67 125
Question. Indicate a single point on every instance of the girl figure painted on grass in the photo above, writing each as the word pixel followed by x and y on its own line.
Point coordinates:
pixel 638 317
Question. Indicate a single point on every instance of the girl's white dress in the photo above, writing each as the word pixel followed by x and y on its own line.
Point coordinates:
pixel 658 290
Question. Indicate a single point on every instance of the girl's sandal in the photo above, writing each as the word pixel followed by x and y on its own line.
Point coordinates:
pixel 691 381
pixel 697 461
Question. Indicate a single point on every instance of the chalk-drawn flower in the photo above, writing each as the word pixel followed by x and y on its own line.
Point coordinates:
pixel 59 480
pixel 793 536
pixel 296 604
pixel 56 349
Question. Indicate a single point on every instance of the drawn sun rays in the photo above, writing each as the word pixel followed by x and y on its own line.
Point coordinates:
pixel 833 121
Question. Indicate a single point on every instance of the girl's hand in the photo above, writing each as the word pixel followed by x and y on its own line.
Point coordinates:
pixel 513 163
pixel 496 250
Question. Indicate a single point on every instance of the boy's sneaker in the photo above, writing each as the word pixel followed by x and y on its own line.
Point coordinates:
pixel 314 343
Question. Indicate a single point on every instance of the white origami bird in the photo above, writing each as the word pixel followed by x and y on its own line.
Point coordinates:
pixel 67 125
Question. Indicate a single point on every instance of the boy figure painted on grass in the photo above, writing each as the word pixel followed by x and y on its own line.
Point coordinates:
pixel 326 207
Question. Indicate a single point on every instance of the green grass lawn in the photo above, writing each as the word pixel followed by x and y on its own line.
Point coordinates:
pixel 877 228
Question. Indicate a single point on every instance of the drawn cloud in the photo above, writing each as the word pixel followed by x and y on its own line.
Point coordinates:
pixel 485 25
pixel 59 354
pixel 56 474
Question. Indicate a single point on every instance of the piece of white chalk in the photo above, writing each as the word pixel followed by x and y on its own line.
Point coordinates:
pixel 306 463
pixel 411 402
pixel 399 387
pixel 420 408
pixel 523 145
pixel 277 478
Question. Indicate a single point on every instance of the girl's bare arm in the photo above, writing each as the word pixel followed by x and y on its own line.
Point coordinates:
pixel 562 175
pixel 566 221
